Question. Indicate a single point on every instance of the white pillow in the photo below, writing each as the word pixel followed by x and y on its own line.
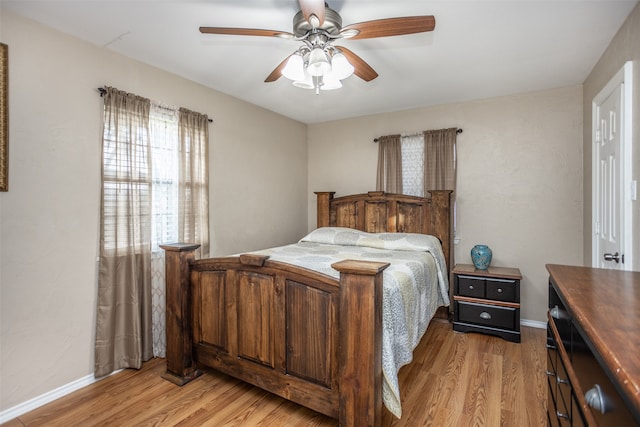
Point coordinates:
pixel 392 241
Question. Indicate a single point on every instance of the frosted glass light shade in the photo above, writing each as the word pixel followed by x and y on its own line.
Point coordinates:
pixel 294 69
pixel 329 82
pixel 304 83
pixel 341 68
pixel 319 64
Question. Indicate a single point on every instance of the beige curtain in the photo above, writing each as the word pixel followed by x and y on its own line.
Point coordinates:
pixel 193 196
pixel 389 177
pixel 440 159
pixel 123 323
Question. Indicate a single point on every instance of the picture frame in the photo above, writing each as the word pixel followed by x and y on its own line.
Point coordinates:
pixel 4 117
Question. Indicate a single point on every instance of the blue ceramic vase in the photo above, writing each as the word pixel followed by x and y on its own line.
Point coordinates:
pixel 481 256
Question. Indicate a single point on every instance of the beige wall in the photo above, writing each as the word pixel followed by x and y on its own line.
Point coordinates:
pixel 624 47
pixel 519 176
pixel 520 187
pixel 49 217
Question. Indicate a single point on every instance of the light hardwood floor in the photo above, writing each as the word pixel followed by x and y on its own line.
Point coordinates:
pixel 455 380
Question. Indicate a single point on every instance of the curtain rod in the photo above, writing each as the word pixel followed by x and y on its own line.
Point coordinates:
pixel 458 131
pixel 102 91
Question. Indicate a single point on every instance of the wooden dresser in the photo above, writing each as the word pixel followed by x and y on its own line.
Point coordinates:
pixel 593 343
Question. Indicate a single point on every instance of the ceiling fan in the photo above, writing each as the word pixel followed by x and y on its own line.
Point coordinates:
pixel 318 63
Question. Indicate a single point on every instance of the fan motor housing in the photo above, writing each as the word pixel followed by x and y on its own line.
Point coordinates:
pixel 332 23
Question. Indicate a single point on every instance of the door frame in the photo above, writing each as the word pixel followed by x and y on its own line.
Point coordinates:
pixel 624 75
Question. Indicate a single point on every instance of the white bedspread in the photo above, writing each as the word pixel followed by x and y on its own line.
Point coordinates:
pixel 415 285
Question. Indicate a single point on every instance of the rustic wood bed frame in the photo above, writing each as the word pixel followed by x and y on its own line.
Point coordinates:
pixel 302 335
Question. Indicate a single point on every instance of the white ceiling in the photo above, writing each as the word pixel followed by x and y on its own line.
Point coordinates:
pixel 478 49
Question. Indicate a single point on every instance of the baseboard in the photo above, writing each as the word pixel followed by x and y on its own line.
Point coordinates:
pixel 47 397
pixel 533 323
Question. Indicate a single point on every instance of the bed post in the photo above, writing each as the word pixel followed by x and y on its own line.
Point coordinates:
pixel 180 365
pixel 441 218
pixel 324 204
pixel 360 354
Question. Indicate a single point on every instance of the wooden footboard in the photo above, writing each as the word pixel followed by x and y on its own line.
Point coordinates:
pixel 298 334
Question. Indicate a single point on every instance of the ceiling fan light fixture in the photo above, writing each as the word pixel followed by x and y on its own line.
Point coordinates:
pixel 294 69
pixel 317 26
pixel 341 68
pixel 319 64
pixel 305 83
pixel 330 83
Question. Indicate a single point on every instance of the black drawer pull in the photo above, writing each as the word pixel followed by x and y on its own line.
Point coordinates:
pixel 596 399
pixel 484 315
pixel 561 415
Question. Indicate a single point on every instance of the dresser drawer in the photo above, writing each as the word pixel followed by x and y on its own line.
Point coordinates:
pixel 577 417
pixel 564 391
pixel 595 381
pixel 488 315
pixel 469 286
pixel 501 290
pixel 552 418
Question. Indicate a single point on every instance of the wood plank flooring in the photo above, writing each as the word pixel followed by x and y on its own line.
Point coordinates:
pixel 455 380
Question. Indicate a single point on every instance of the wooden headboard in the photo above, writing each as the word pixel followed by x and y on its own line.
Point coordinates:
pixel 379 212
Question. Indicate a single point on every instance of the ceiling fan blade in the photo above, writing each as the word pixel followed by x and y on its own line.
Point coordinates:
pixel 361 68
pixel 277 72
pixel 245 32
pixel 310 8
pixel 392 27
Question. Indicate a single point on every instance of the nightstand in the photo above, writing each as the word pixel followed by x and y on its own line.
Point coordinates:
pixel 487 301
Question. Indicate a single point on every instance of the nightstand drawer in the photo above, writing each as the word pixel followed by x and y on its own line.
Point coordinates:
pixel 489 315
pixel 501 290
pixel 469 286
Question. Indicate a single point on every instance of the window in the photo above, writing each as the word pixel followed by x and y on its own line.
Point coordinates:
pixel 150 170
pixel 412 148
pixel 126 181
pixel 154 191
pixel 415 164
pixel 164 175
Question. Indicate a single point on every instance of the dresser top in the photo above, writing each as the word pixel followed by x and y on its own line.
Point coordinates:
pixel 606 304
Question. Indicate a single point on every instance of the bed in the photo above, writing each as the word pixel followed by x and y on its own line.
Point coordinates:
pixel 313 337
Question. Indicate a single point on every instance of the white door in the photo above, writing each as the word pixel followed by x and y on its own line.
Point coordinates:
pixel 613 190
pixel 609 213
